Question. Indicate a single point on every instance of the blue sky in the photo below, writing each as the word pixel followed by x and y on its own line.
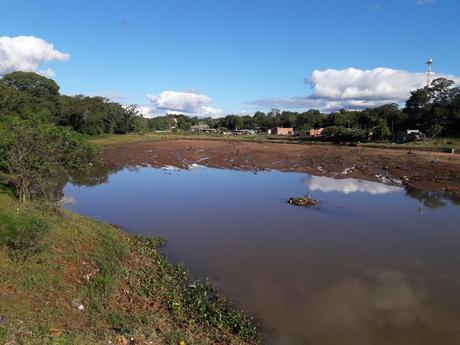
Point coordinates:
pixel 239 55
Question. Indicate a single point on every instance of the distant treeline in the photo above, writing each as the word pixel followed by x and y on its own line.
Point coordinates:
pixel 435 110
pixel 28 96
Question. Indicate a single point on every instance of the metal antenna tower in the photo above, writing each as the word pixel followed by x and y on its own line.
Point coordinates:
pixel 429 71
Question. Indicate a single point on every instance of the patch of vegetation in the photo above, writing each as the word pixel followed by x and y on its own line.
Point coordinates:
pixel 118 140
pixel 20 232
pixel 91 283
pixel 28 95
pixel 188 300
pixel 39 156
pixel 102 280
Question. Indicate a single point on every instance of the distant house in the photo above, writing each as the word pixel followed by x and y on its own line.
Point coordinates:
pixel 315 132
pixel 282 131
pixel 410 135
pixel 202 127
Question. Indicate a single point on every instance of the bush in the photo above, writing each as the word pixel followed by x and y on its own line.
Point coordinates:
pixel 20 232
pixel 336 133
pixel 39 156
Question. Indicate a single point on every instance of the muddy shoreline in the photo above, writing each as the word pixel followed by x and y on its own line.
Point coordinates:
pixel 425 170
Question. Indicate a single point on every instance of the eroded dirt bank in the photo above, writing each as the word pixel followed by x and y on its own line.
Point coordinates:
pixel 426 170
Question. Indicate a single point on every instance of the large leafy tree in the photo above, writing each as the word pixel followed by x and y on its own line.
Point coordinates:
pixel 433 108
pixel 310 119
pixel 32 96
pixel 263 121
pixel 32 83
pixel 39 156
pixel 35 96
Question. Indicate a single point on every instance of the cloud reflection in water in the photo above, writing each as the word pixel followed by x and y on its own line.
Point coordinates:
pixel 346 186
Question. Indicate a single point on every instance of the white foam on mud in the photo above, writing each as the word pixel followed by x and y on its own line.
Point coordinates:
pixel 170 167
pixel 195 166
pixel 346 171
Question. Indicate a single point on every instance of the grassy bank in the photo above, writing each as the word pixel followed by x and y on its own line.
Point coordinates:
pixel 117 140
pixel 434 145
pixel 68 279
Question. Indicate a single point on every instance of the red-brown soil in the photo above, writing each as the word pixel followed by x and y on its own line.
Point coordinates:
pixel 426 170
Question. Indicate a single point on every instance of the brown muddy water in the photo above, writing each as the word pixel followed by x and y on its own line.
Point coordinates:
pixel 372 265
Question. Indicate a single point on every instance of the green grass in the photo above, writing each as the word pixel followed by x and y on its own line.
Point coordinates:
pixel 128 289
pixel 20 231
pixel 117 140
pixel 431 145
pixel 434 144
pixel 188 301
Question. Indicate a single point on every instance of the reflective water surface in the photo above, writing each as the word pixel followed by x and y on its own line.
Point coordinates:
pixel 373 264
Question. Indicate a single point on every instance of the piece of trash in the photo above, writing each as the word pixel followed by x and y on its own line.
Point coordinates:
pixel 77 303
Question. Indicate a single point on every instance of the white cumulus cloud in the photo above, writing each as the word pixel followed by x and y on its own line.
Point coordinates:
pixel 357 84
pixel 145 111
pixel 354 88
pixel 27 53
pixel 190 103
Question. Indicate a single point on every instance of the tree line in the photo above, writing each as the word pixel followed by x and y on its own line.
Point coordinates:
pixel 27 95
pixel 434 110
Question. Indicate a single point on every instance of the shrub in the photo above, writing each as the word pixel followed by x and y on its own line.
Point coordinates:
pixel 39 156
pixel 337 133
pixel 19 232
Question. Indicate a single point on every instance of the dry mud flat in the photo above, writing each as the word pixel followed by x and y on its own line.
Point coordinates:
pixel 425 170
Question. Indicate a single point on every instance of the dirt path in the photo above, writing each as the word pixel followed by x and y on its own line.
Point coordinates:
pixel 427 170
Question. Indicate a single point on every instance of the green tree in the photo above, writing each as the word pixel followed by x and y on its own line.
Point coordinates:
pixel 432 108
pixel 263 121
pixel 39 156
pixel 35 97
pixel 32 83
pixel 288 119
pixel 232 122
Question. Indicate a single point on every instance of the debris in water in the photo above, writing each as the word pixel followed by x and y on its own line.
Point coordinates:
pixel 305 201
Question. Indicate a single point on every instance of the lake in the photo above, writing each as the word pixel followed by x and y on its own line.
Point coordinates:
pixel 372 264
